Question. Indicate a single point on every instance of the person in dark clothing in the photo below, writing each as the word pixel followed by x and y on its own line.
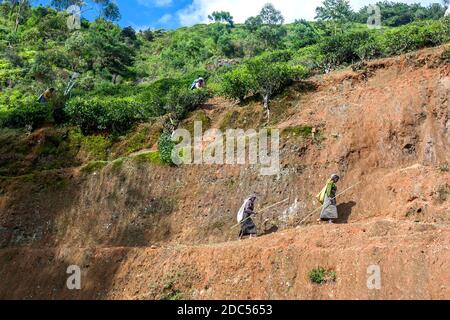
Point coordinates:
pixel 46 96
pixel 248 227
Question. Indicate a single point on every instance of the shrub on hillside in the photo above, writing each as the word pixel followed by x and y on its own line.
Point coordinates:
pixel 348 47
pixel 236 84
pixel 311 57
pixel 96 115
pixel 416 36
pixel 275 56
pixel 114 114
pixel 172 95
pixel 242 80
pixel 269 79
pixel 265 76
pixel 165 146
pixel 26 114
pixel 321 275
pixel 181 101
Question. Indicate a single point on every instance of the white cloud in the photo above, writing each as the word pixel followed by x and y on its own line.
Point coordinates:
pixel 155 3
pixel 165 18
pixel 198 11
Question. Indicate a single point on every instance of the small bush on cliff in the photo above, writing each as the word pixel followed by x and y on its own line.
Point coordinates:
pixel 166 146
pixel 321 275
pixel 170 293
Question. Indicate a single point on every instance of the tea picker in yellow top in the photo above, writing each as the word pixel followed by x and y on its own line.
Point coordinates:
pixel 327 197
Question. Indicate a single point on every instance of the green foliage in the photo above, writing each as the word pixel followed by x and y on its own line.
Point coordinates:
pixel 137 140
pixel 268 79
pixel 299 131
pixel 184 52
pixel 334 15
pixel 226 46
pixel 170 293
pixel 416 35
pixel 166 145
pixel 271 16
pixel 26 114
pixel 180 101
pixel 336 10
pixel 95 146
pixel 270 76
pixel 356 45
pixel 150 35
pixel 321 275
pixel 264 75
pixel 302 34
pixel 311 57
pixel 128 77
pixel 153 157
pixel 94 166
pixel 222 16
pixel 236 84
pixel 267 26
pixel 394 14
pixel 108 52
pixel 41 68
pixel 350 47
pixel 107 9
pixel 102 114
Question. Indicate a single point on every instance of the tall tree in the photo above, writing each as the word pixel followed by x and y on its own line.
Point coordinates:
pixel 108 9
pixel 271 16
pixel 222 16
pixel 338 12
pixel 16 10
pixel 268 26
pixel 302 34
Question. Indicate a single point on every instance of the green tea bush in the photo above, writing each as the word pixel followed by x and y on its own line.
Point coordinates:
pixel 236 84
pixel 264 76
pixel 416 36
pixel 275 56
pixel 180 101
pixel 26 114
pixel 311 57
pixel 165 146
pixel 103 114
pixel 348 47
pixel 114 114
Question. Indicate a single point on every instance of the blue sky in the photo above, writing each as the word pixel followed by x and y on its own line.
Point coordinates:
pixel 170 14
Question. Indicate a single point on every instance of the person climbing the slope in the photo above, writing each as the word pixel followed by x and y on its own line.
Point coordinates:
pixel 198 84
pixel 328 198
pixel 248 227
pixel 46 96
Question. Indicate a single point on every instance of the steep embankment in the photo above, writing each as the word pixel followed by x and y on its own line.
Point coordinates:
pixel 385 124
